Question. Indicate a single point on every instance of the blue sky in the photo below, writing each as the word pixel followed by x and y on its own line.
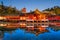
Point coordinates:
pixel 31 4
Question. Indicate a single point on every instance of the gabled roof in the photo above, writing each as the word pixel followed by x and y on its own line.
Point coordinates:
pixel 37 11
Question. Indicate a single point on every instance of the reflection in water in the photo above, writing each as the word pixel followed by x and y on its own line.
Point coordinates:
pixel 22 35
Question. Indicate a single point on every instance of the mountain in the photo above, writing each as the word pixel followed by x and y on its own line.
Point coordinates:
pixel 55 9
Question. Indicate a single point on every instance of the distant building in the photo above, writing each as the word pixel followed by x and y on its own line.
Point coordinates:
pixel 54 20
pixel 23 10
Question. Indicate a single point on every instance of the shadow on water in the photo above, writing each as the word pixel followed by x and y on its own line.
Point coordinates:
pixel 20 34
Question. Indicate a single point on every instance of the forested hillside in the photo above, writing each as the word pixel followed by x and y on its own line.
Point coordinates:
pixel 55 9
pixel 7 10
